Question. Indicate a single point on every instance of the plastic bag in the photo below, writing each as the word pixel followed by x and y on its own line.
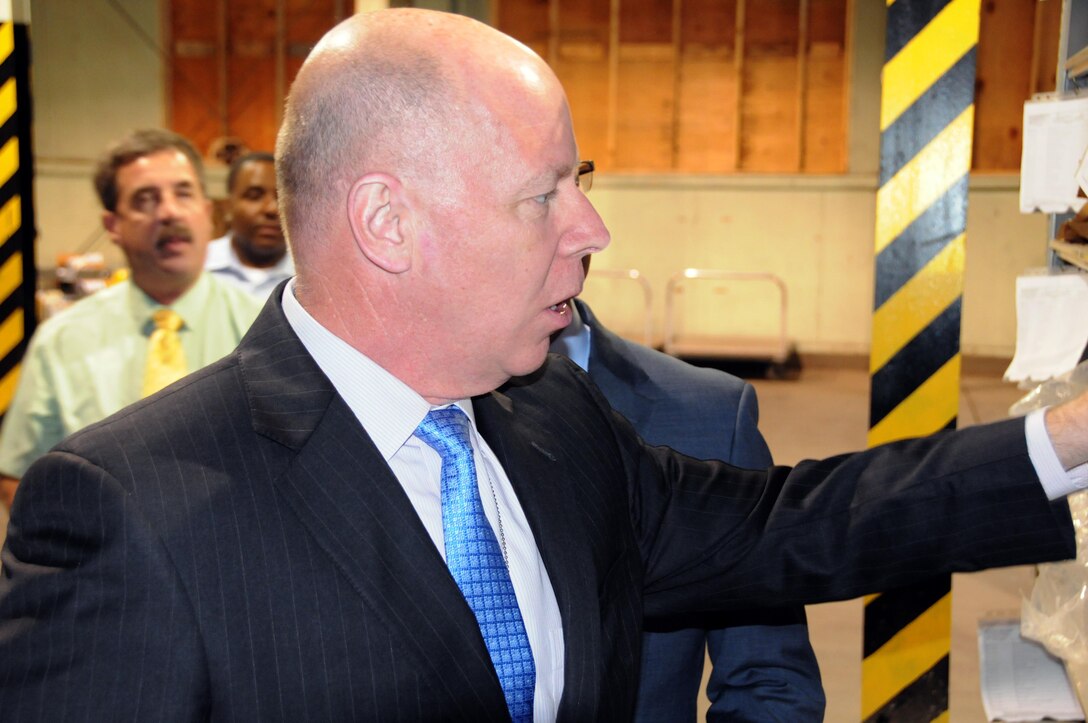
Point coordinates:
pixel 1056 614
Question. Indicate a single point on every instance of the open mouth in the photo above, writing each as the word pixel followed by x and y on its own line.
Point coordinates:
pixel 562 307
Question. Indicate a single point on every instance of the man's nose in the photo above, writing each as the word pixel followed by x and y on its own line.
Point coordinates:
pixel 588 234
pixel 271 206
pixel 168 207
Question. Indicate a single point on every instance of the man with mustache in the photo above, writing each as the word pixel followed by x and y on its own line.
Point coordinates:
pixel 93 358
pixel 253 254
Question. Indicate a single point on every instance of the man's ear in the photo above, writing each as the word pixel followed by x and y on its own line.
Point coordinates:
pixel 109 222
pixel 378 224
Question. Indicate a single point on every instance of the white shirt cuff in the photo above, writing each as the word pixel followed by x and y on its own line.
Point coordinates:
pixel 1057 482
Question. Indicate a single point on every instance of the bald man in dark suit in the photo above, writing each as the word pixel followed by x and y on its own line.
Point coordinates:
pixel 266 539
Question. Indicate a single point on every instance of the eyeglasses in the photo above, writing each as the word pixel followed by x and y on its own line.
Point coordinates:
pixel 584 179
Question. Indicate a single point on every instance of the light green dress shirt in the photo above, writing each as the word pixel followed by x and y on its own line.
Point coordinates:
pixel 88 361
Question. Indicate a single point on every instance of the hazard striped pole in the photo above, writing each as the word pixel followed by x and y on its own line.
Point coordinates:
pixel 17 269
pixel 926 122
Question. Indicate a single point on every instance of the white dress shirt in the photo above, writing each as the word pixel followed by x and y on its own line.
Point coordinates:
pixel 575 340
pixel 223 261
pixel 390 412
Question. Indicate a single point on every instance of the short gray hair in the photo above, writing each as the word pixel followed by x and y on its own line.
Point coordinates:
pixel 367 108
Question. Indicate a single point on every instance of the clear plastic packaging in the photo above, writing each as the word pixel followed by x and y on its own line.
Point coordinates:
pixel 1056 614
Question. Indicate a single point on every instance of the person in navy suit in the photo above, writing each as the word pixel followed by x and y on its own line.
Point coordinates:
pixel 764 668
pixel 265 539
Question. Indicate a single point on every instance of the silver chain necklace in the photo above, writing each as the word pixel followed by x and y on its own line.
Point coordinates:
pixel 498 519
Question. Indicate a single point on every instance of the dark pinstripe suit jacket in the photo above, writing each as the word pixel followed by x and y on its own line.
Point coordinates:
pixel 235 548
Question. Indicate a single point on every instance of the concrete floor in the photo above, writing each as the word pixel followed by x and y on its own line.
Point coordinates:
pixel 826 412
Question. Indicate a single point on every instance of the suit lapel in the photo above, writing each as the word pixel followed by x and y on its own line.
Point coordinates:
pixel 623 383
pixel 348 499
pixel 530 456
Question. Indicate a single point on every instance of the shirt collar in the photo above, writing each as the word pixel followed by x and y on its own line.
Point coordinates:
pixel 190 306
pixel 222 257
pixel 575 340
pixel 388 409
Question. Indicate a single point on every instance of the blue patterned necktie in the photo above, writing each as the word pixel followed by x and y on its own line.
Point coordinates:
pixel 477 562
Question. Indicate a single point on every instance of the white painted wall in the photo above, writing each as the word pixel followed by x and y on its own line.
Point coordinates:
pixel 814 233
pixel 96 74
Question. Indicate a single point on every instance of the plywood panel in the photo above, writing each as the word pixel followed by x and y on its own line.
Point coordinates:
pixel 582 64
pixel 308 20
pixel 191 20
pixel 769 88
pixel 582 68
pixel 193 74
pixel 1002 86
pixel 644 112
pixel 645 21
pixel 825 109
pixel 1047 35
pixel 680 97
pixel 526 20
pixel 194 83
pixel 772 25
pixel 824 121
pixel 707 90
pixel 706 135
pixel 708 22
pixel 577 17
pixel 248 106
pixel 251 72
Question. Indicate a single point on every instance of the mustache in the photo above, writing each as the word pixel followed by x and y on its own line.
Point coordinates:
pixel 174 231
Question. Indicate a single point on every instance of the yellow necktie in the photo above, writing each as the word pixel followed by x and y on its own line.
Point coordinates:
pixel 165 357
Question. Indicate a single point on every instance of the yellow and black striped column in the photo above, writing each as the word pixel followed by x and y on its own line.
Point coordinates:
pixel 17 269
pixel 927 114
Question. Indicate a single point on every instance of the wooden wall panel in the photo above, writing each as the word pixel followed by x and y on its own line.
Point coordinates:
pixel 710 23
pixel 823 122
pixel 644 111
pixel 676 94
pixel 645 21
pixel 769 107
pixel 306 21
pixel 707 132
pixel 769 122
pixel 582 64
pixel 645 86
pixel 193 108
pixel 1001 86
pixel 526 20
pixel 232 62
pixel 583 69
pixel 251 72
pixel 1047 37
pixel 193 74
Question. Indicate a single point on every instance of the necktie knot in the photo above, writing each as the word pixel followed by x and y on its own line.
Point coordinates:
pixel 445 431
pixel 167 319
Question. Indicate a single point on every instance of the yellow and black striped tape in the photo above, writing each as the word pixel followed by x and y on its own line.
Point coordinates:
pixel 927 116
pixel 17 268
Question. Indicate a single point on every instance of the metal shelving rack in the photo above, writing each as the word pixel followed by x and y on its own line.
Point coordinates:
pixel 1072 77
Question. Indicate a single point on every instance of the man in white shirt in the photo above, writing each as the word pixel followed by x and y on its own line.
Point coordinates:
pixel 270 539
pixel 253 254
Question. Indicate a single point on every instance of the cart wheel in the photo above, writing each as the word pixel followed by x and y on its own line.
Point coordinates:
pixel 790 369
